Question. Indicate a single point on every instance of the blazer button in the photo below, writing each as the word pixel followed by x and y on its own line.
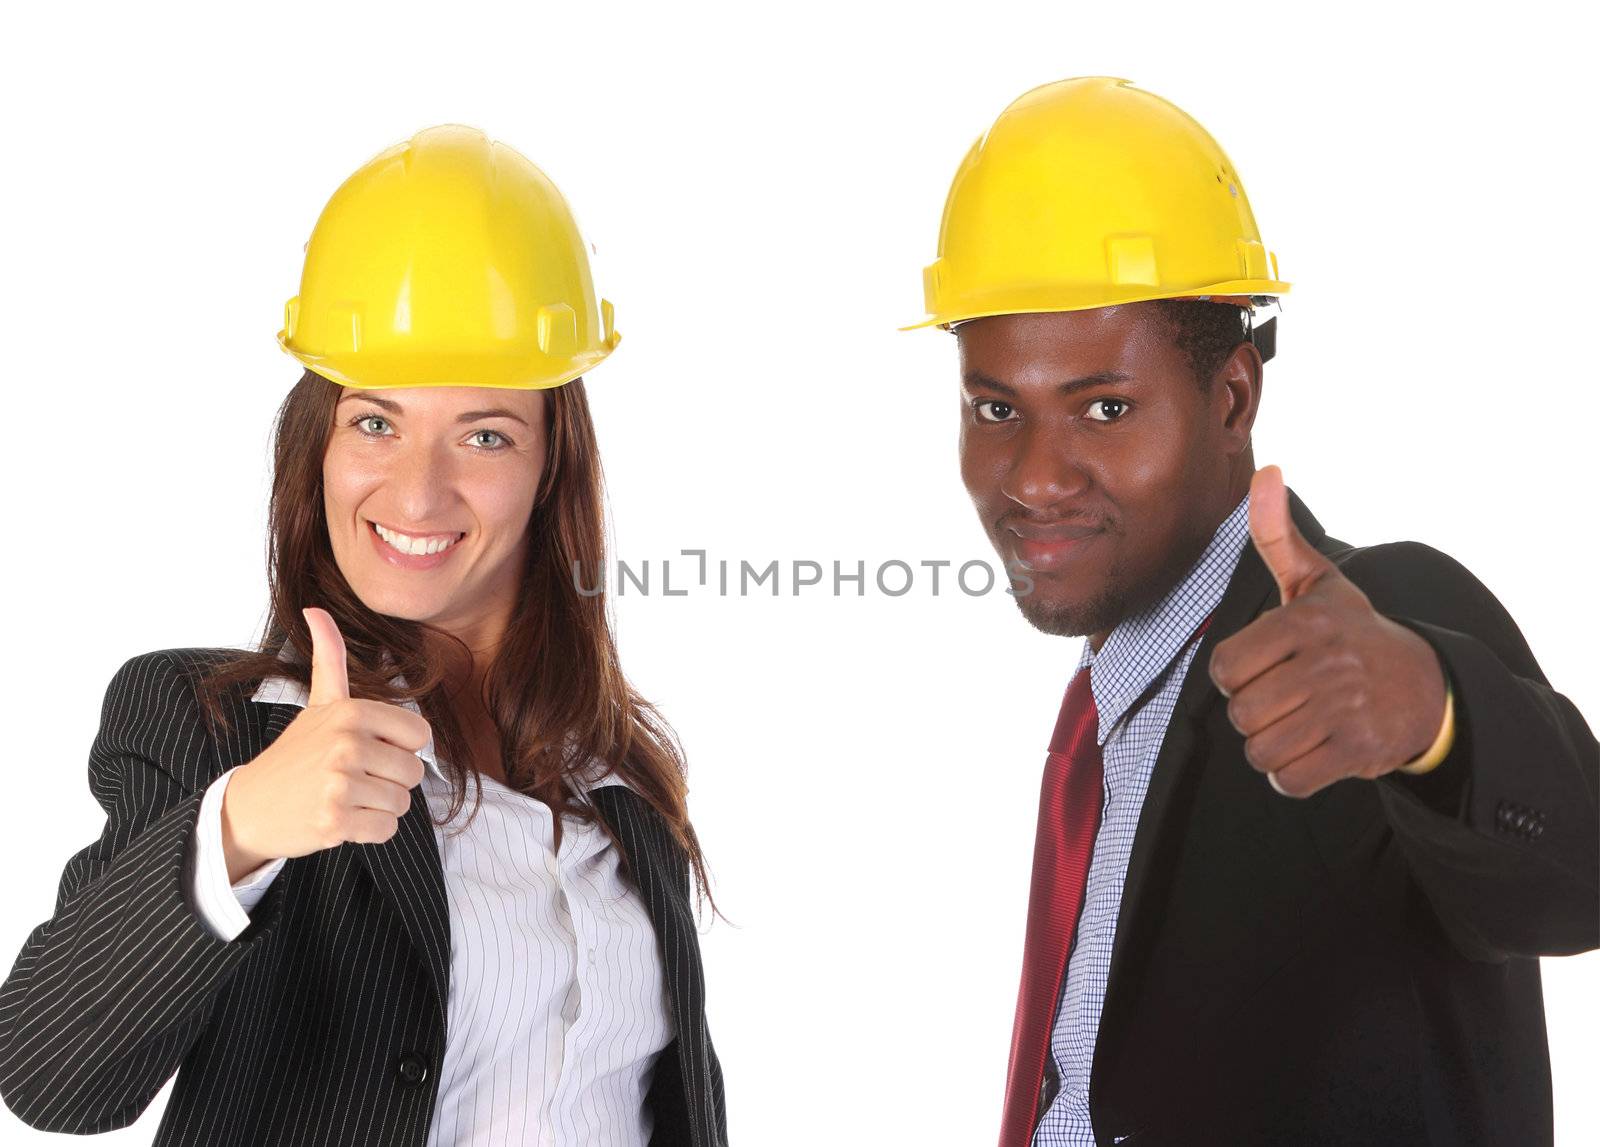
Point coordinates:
pixel 411 1070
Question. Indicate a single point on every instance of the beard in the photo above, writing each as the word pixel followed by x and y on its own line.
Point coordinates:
pixel 1077 618
pixel 1122 596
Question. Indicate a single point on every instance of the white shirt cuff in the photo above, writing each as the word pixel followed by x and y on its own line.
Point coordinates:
pixel 223 907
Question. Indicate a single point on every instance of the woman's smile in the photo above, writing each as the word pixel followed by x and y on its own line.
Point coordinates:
pixel 412 552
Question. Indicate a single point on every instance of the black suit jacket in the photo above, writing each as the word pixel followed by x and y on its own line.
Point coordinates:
pixel 323 1022
pixel 1359 966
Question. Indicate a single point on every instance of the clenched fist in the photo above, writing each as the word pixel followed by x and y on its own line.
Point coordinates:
pixel 1323 687
pixel 342 771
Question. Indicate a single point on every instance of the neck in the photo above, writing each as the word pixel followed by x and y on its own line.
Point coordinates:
pixel 1240 472
pixel 465 678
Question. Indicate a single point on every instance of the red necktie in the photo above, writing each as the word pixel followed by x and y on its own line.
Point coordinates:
pixel 1069 818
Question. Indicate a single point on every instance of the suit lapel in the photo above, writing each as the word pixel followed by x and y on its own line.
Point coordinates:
pixel 660 870
pixel 407 870
pixel 1250 590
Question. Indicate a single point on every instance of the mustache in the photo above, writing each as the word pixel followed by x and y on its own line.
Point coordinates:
pixel 1023 517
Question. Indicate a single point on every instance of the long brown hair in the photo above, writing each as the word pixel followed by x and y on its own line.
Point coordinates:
pixel 555 690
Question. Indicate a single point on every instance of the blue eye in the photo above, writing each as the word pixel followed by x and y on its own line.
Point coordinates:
pixel 360 418
pixel 492 449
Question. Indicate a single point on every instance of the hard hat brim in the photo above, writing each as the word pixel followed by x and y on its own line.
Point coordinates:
pixel 395 371
pixel 1049 301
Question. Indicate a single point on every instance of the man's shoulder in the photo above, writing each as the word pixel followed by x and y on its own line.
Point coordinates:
pixel 1409 573
pixel 1398 567
pixel 1387 566
pixel 1416 582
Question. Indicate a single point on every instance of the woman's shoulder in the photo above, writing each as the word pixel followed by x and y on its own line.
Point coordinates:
pixel 192 662
pixel 179 688
pixel 178 678
pixel 158 708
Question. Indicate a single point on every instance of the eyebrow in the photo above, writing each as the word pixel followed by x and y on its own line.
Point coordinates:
pixel 977 380
pixel 468 416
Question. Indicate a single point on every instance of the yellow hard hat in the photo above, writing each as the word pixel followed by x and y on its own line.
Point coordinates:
pixel 1089 192
pixel 448 260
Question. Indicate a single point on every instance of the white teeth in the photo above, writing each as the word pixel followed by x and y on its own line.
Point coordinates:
pixel 406 544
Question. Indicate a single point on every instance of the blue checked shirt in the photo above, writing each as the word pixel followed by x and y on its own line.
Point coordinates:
pixel 1141 649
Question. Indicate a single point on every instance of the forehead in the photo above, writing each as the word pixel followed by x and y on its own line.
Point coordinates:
pixel 1044 348
pixel 449 401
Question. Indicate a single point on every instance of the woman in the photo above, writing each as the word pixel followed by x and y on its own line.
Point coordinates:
pixel 526 973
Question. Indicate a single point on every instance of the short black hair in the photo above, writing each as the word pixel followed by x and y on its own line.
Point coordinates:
pixel 1206 332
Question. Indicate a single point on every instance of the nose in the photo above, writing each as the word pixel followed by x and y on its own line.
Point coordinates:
pixel 420 481
pixel 1043 471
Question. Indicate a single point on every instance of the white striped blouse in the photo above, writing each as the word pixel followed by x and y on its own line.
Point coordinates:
pixel 558 1006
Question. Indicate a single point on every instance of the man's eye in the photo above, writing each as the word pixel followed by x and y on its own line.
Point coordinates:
pixel 991 411
pixel 1113 408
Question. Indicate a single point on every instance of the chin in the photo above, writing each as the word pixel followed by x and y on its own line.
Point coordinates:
pixel 404 606
pixel 1061 617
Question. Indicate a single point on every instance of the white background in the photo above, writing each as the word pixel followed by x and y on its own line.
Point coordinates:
pixel 764 190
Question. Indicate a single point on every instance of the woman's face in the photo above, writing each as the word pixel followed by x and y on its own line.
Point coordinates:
pixel 428 492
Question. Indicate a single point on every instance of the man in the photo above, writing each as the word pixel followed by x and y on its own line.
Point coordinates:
pixel 1311 811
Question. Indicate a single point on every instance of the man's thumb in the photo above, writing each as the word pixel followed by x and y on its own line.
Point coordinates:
pixel 1294 563
pixel 330 679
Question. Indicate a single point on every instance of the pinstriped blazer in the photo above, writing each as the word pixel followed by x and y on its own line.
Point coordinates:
pixel 323 1022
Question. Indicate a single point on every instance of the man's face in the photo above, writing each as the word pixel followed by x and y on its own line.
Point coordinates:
pixel 1098 465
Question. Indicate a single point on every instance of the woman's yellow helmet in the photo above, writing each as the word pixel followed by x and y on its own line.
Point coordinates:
pixel 448 260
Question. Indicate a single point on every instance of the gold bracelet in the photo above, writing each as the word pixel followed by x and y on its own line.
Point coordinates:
pixel 1440 748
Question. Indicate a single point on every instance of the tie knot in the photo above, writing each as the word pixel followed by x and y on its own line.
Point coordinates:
pixel 1078 724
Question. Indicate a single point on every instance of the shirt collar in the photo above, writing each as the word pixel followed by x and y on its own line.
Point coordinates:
pixel 278 690
pixel 1143 645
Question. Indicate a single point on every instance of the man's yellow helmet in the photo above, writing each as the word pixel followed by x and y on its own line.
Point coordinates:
pixel 1089 192
pixel 448 260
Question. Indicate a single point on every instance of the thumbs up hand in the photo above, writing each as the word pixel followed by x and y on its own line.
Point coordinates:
pixel 330 675
pixel 1323 687
pixel 341 771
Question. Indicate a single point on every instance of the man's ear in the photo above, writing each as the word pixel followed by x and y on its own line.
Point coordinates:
pixel 1236 394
